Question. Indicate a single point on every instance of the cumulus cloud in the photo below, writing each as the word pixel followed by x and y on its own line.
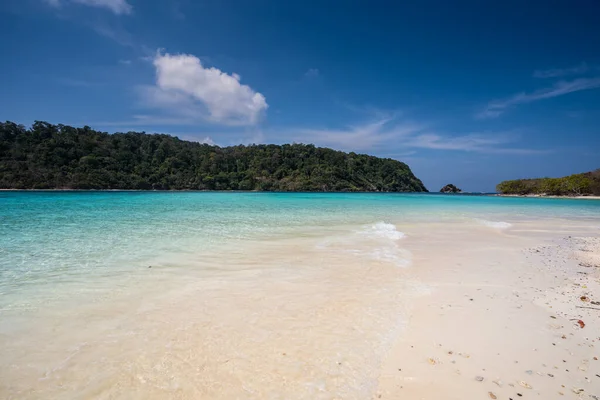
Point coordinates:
pixel 186 87
pixel 116 6
pixel 498 107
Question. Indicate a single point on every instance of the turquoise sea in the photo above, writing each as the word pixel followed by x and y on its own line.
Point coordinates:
pixel 142 294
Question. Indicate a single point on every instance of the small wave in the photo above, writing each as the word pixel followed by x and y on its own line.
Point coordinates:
pixel 495 224
pixel 377 242
pixel 384 230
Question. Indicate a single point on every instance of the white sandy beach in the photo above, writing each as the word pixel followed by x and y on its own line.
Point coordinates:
pixel 502 321
pixel 475 310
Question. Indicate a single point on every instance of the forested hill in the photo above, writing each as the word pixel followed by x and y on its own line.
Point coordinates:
pixel 50 156
pixel 587 183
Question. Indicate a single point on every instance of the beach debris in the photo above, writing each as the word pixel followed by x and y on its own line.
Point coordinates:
pixel 525 384
pixel 564 337
pixel 553 317
pixel 479 378
pixel 529 372
pixel 492 395
pixel 498 382
pixel 596 358
pixel 577 390
pixel 551 376
pixel 585 299
pixel 432 361
pixel 581 323
pixel 596 303
pixel 519 394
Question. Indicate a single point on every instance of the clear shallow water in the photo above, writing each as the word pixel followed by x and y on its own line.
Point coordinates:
pixel 234 276
pixel 52 235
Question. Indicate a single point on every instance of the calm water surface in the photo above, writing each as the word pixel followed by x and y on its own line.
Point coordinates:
pixel 148 294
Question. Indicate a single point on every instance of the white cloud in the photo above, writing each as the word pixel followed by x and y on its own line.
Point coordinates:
pixel 357 138
pixel 386 132
pixel 559 72
pixel 116 6
pixel 186 88
pixel 192 138
pixel 498 107
pixel 476 142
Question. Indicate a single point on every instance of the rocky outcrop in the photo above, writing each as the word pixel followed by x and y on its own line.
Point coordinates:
pixel 450 189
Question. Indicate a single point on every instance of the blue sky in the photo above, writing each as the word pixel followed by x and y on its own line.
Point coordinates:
pixel 465 92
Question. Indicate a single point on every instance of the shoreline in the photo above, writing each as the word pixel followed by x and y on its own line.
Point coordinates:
pixel 502 327
pixel 350 309
pixel 539 196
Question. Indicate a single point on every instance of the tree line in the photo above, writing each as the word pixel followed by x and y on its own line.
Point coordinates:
pixel 573 185
pixel 47 156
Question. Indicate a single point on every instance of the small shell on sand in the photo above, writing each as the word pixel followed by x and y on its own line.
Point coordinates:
pixel 525 384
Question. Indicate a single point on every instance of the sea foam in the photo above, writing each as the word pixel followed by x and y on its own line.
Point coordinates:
pixel 377 242
pixel 383 230
pixel 495 224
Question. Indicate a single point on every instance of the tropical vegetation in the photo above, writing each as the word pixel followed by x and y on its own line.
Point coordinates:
pixel 573 185
pixel 48 156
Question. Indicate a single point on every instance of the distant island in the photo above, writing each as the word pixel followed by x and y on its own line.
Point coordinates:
pixel 48 156
pixel 450 188
pixel 585 184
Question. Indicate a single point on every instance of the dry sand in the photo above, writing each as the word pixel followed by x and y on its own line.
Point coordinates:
pixel 502 321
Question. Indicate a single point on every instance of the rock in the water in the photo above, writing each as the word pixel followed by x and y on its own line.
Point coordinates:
pixel 450 189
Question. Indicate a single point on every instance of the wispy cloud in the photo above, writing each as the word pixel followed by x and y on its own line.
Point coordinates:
pixel 561 72
pixel 116 34
pixel 493 143
pixel 149 120
pixel 498 107
pixel 388 132
pixel 118 7
pixel 312 73
pixel 359 137
pixel 186 88
pixel 77 82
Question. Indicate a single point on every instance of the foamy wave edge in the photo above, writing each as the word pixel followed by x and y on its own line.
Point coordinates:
pixel 383 230
pixel 495 224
